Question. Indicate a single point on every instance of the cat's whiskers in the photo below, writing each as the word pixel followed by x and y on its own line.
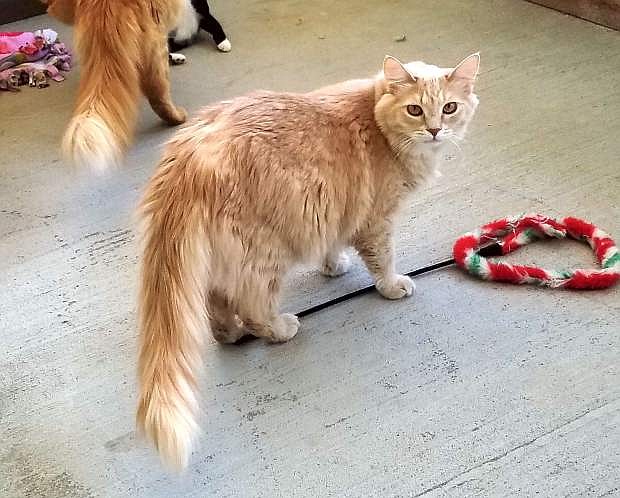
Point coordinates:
pixel 419 137
pixel 403 145
pixel 452 140
pixel 450 136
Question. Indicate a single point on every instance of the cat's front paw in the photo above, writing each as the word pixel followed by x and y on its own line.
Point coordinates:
pixel 395 286
pixel 224 46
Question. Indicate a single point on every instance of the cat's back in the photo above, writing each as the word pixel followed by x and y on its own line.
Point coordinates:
pixel 267 111
pixel 266 150
pixel 323 120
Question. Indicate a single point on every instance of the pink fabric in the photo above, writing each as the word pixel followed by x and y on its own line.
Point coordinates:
pixel 18 42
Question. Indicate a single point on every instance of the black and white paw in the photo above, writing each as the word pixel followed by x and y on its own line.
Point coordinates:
pixel 224 46
pixel 176 58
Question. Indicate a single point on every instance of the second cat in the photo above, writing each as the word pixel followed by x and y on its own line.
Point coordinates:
pixel 196 15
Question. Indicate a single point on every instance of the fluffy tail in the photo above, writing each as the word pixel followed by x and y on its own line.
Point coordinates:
pixel 172 324
pixel 107 36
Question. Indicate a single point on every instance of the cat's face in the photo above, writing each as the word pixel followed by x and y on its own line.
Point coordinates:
pixel 424 104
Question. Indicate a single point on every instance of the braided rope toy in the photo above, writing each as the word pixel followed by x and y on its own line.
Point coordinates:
pixel 507 234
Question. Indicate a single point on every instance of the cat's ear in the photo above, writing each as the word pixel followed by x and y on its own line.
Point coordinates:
pixel 395 74
pixel 467 69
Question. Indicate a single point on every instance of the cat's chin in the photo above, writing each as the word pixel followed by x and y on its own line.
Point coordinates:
pixel 432 142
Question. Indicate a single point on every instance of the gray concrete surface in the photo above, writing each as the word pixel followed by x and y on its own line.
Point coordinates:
pixel 469 389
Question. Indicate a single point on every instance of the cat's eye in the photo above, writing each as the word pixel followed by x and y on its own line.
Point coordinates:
pixel 450 108
pixel 414 110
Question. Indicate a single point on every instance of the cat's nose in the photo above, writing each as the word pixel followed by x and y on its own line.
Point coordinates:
pixel 433 131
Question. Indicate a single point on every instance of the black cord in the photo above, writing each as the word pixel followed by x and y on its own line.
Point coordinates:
pixel 492 249
pixel 370 288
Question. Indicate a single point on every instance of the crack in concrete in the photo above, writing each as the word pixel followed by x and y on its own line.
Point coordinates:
pixel 511 450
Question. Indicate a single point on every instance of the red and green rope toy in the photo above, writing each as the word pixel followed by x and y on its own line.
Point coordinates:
pixel 508 234
pixel 503 236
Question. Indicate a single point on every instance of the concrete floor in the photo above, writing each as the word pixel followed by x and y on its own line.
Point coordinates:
pixel 468 389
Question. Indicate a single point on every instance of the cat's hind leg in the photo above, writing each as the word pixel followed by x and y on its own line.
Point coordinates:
pixel 211 25
pixel 174 57
pixel 176 46
pixel 336 263
pixel 155 84
pixel 225 325
pixel 258 307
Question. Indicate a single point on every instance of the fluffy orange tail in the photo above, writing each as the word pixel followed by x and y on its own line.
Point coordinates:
pixel 108 44
pixel 172 324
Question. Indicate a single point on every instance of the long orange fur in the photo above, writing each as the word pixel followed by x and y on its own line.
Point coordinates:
pixel 254 185
pixel 122 47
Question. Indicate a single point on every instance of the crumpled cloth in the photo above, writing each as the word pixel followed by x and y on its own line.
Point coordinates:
pixel 30 58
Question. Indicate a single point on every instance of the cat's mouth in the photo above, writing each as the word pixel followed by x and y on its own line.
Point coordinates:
pixel 428 138
pixel 433 140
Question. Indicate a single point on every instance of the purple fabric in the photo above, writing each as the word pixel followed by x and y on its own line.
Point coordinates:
pixel 34 58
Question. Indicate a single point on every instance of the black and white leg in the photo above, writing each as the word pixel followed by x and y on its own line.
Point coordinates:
pixel 211 25
pixel 174 57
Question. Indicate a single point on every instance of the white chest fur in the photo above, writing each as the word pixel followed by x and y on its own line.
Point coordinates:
pixel 188 23
pixel 422 165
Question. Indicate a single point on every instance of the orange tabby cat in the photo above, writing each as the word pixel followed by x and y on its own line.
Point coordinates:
pixel 259 183
pixel 123 50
